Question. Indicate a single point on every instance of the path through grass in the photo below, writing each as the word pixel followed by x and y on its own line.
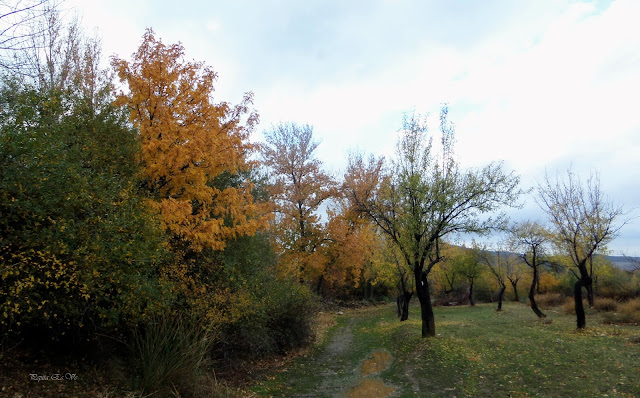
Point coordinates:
pixel 477 352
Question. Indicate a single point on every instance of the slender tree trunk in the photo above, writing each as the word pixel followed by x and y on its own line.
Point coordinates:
pixel 405 306
pixel 577 297
pixel 503 287
pixel 403 301
pixel 589 287
pixel 422 288
pixel 532 293
pixel 590 294
pixel 515 290
pixel 471 302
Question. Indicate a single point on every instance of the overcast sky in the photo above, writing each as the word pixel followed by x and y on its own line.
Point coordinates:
pixel 542 85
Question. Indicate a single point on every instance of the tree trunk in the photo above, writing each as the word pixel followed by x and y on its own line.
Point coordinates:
pixel 538 282
pixel 403 305
pixel 471 302
pixel 319 284
pixel 532 293
pixel 586 281
pixel 577 297
pixel 515 290
pixel 590 295
pixel 503 287
pixel 428 320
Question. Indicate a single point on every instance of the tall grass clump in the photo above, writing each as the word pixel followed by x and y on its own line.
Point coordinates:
pixel 278 321
pixel 170 353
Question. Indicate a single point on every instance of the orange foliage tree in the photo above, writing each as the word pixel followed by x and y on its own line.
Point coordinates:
pixel 187 142
pixel 352 248
pixel 299 188
pixel 194 165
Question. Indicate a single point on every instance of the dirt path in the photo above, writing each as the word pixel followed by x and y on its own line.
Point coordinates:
pixel 342 369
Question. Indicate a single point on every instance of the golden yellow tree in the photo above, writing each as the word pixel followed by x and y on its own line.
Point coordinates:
pixel 188 144
pixel 300 188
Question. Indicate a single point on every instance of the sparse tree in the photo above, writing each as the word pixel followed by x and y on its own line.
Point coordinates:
pixel 21 27
pixel 514 273
pixel 529 239
pixel 300 188
pixel 467 264
pixel 500 264
pixel 583 221
pixel 421 198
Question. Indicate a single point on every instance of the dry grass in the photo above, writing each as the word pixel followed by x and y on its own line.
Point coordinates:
pixel 628 312
pixel 550 300
pixel 605 304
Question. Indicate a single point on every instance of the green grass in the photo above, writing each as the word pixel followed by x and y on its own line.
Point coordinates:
pixel 477 352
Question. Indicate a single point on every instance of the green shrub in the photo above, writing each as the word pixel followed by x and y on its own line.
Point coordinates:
pixel 278 321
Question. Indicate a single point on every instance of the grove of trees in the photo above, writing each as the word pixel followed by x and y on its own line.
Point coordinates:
pixel 133 204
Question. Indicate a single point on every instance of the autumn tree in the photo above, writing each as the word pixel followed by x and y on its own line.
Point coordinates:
pixel 300 188
pixel 188 142
pixel 583 221
pixel 514 274
pixel 501 264
pixel 421 197
pixel 529 239
pixel 351 244
pixel 466 263
pixel 446 272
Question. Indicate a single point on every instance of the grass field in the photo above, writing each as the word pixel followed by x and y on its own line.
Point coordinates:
pixel 477 352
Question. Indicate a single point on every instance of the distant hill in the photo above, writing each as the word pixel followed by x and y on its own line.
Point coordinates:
pixel 622 262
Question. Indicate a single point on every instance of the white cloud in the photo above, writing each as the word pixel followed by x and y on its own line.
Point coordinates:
pixel 538 84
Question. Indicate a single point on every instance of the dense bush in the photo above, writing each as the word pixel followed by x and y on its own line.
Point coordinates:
pixel 78 248
pixel 278 310
pixel 605 304
pixel 618 284
pixel 550 300
pixel 627 312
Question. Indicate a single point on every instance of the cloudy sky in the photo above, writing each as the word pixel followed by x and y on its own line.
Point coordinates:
pixel 543 85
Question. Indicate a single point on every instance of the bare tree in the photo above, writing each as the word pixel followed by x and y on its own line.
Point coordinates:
pixel 514 273
pixel 20 23
pixel 529 239
pixel 584 220
pixel 501 265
